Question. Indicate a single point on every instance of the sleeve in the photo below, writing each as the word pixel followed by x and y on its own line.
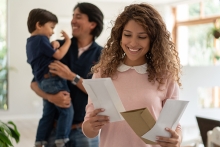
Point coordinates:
pixel 46 48
pixel 90 106
pixel 172 91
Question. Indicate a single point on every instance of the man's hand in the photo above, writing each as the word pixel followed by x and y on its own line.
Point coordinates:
pixel 64 72
pixel 61 70
pixel 61 99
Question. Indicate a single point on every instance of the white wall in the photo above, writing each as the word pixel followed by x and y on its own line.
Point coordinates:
pixel 194 77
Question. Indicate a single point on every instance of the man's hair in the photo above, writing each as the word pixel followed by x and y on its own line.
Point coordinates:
pixel 94 14
pixel 39 15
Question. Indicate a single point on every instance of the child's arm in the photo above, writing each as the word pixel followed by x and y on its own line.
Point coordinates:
pixel 60 53
pixel 55 44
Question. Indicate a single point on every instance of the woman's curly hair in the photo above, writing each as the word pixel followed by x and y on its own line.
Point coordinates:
pixel 162 58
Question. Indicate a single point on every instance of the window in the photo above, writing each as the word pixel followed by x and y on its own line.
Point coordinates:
pixel 194 24
pixel 192 45
pixel 191 11
pixel 3 55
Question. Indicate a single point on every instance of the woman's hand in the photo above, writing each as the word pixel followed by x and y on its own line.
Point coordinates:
pixel 173 141
pixel 61 70
pixel 97 121
pixel 94 123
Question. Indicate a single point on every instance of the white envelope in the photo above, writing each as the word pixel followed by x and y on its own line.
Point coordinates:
pixel 103 94
pixel 169 117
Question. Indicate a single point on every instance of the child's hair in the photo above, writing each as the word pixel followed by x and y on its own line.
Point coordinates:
pixel 39 15
pixel 162 57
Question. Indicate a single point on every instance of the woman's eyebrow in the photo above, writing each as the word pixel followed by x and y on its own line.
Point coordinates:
pixel 138 33
pixel 127 31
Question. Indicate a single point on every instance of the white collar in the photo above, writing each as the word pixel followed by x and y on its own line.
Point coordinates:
pixel 141 69
pixel 85 48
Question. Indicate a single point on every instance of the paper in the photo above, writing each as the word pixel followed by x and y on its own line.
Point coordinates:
pixel 103 94
pixel 169 117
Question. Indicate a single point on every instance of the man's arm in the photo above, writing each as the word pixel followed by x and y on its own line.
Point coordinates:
pixel 63 71
pixel 61 99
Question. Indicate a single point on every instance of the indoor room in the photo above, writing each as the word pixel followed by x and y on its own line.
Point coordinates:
pixel 194 26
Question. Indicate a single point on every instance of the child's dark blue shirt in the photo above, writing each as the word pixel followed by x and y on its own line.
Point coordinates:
pixel 39 55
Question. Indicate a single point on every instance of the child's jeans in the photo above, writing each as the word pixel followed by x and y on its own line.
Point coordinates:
pixel 53 85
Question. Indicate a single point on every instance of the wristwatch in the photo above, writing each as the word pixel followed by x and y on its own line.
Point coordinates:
pixel 76 79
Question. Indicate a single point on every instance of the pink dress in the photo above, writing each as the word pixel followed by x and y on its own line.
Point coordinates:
pixel 135 92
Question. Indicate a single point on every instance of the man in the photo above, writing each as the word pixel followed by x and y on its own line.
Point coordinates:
pixel 84 52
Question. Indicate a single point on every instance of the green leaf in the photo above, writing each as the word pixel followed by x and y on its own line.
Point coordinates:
pixel 11 123
pixel 4 139
pixel 2 144
pixel 15 128
pixel 14 134
pixel 7 133
pixel 4 128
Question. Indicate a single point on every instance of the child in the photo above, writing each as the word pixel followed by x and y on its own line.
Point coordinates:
pixel 144 67
pixel 40 54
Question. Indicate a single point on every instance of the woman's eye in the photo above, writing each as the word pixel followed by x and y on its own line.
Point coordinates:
pixel 142 37
pixel 127 35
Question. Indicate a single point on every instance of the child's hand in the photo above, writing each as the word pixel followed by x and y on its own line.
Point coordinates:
pixel 97 121
pixel 64 34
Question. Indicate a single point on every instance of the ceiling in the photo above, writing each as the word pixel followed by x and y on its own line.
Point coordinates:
pixel 153 2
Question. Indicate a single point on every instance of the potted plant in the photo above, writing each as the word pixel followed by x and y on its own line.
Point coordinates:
pixel 216 32
pixel 213 33
pixel 8 132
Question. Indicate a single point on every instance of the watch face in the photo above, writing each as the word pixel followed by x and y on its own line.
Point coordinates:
pixel 76 79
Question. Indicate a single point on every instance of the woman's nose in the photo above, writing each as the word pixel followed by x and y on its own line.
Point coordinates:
pixel 133 42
